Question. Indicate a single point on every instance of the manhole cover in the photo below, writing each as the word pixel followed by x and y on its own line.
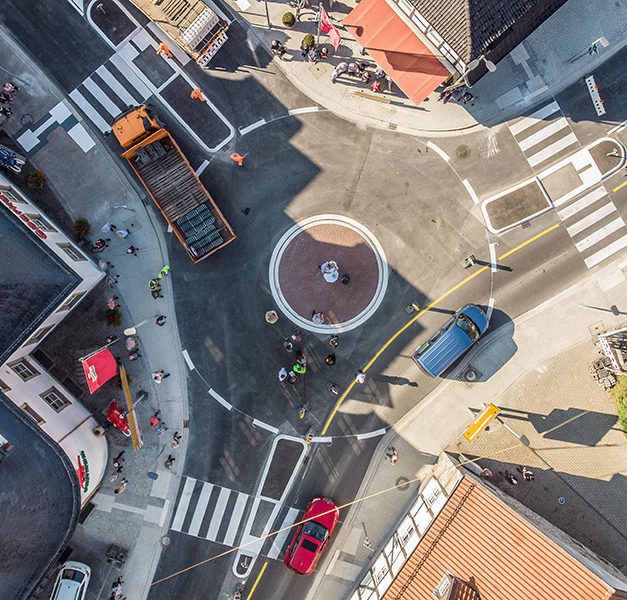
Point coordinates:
pixel 462 151
pixel 166 541
pixel 402 483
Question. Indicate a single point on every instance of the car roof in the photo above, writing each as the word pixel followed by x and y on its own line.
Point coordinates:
pixel 68 590
pixel 316 510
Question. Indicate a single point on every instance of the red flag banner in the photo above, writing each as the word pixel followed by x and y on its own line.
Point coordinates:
pixel 325 22
pixel 334 36
pixel 99 368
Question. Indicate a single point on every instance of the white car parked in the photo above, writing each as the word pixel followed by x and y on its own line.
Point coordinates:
pixel 72 581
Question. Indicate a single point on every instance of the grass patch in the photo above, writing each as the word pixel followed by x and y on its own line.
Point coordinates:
pixel 620 396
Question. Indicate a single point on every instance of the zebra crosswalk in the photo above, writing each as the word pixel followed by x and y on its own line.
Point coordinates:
pixel 544 135
pixel 215 513
pixel 594 225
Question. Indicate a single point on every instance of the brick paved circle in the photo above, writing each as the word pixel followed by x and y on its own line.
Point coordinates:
pixel 299 287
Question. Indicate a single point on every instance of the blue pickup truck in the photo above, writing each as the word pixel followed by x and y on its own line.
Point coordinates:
pixel 452 340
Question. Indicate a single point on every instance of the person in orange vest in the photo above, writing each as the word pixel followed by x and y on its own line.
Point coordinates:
pixel 197 94
pixel 164 50
pixel 238 158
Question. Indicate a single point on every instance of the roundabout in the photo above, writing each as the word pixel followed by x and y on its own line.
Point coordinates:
pixel 328 274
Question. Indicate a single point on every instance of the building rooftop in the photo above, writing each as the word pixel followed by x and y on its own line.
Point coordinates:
pixel 34 282
pixel 39 502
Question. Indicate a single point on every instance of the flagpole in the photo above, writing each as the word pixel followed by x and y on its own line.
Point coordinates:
pixel 319 21
pixel 84 358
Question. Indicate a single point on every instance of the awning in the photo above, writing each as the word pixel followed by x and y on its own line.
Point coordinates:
pixel 396 49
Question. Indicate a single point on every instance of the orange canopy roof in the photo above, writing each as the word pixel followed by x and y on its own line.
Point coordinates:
pixel 396 49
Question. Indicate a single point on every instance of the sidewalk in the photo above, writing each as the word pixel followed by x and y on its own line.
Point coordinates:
pixel 536 371
pixel 537 69
pixel 88 182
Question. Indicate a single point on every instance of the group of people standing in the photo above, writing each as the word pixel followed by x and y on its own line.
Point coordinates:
pixel 360 70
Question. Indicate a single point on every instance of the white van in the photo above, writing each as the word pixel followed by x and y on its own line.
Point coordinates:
pixel 72 581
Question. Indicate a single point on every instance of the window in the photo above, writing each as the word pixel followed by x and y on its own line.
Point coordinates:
pixel 32 414
pixel 55 399
pixel 4 387
pixel 23 368
pixel 39 335
pixel 12 197
pixel 41 223
pixel 72 252
pixel 71 301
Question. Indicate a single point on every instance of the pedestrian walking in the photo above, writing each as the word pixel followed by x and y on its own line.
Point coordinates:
pixel 341 68
pixel 334 342
pixel 330 359
pixel 299 369
pixel 155 419
pixel 121 487
pixel 5 98
pixel 313 55
pixel 160 429
pixel 334 388
pixel 122 233
pixel 304 49
pixel 278 49
pixel 134 355
pixel 10 87
pixel 159 376
pixel 392 455
pixel 168 461
pixel 292 379
pixel 161 320
pixel 118 458
pixel 324 54
pixel 6 111
pixel 156 293
pixel 297 336
pixel 509 477
pixel 176 439
pixel 112 303
pixel 238 158
pixel 282 374
pixel 165 271
pixel 114 476
pixel 112 280
pixel 111 339
pixel 526 473
pixel 154 284
pixel 107 227
pixel 197 95
pixel 163 50
pixel 116 589
pixel 317 317
pixel 132 250
pixel 375 86
pixel 288 345
pixel 360 377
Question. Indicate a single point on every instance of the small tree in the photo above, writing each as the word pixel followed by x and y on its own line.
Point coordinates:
pixel 81 228
pixel 309 40
pixel 113 317
pixel 289 19
pixel 36 179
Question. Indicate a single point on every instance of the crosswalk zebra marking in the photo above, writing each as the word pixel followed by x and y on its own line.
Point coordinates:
pixel 554 148
pixel 218 513
pixel 201 507
pixel 130 75
pixel 121 92
pixel 90 111
pixel 183 505
pixel 606 252
pixel 101 97
pixel 599 234
pixel 536 117
pixel 589 199
pixel 281 537
pixel 544 133
pixel 591 219
pixel 236 516
pixel 142 39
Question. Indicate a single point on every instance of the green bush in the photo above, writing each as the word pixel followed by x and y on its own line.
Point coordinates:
pixel 36 180
pixel 81 227
pixel 309 40
pixel 620 396
pixel 113 317
pixel 289 19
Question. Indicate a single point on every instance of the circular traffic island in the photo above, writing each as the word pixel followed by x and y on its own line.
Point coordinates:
pixel 328 274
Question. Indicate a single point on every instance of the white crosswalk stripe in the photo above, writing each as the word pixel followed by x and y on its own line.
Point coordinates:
pixel 595 226
pixel 281 537
pixel 543 135
pixel 209 511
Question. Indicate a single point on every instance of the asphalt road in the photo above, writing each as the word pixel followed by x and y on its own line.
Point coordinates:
pixel 411 199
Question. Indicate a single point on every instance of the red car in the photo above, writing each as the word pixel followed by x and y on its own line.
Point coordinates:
pixel 311 537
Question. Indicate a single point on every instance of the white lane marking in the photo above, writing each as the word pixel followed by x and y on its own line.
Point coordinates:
pixel 47 123
pixel 60 112
pixel 610 249
pixel 279 538
pixel 81 137
pixel 101 97
pixel 188 360
pixel 618 128
pixel 490 308
pixel 168 81
pixel 183 505
pixel 121 65
pixel 90 111
pixel 322 440
pixel 599 234
pixel 472 193
pixel 575 207
pixel 591 219
pixel 370 434
pixel 202 167
pixel 220 399
pixel 441 152
pixel 257 423
pixel 218 513
pixel 543 134
pixel 493 261
pixel 236 516
pixel 302 111
pixel 118 89
pixel 201 507
pixel 539 115
pixel 252 127
pixel 554 148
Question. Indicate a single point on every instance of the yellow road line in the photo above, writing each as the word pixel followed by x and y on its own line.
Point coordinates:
pixel 252 590
pixel 423 311
pixel 620 186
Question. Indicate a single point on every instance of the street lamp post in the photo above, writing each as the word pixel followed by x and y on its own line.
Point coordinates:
pixel 473 64
pixel 133 330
